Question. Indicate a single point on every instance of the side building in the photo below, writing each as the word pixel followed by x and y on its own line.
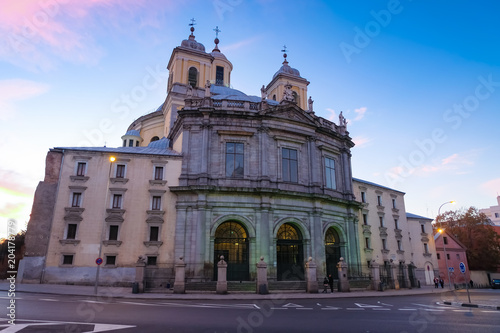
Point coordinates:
pixel 389 236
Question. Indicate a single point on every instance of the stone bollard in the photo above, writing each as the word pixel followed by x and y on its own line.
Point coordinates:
pixel 221 276
pixel 140 272
pixel 312 282
pixel 394 273
pixel 180 275
pixel 375 285
pixel 343 280
pixel 262 285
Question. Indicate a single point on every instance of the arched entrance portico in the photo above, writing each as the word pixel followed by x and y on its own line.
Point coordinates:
pixel 332 252
pixel 231 241
pixel 289 253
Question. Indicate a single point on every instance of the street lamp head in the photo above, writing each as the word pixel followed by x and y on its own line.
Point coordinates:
pixel 440 231
pixel 112 158
pixel 453 202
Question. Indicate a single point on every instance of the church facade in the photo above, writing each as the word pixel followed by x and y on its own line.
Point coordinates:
pixel 213 172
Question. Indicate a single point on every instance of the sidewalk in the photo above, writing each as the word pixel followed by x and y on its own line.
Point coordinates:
pixel 126 293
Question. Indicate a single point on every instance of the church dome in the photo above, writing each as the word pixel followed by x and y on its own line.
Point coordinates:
pixel 285 69
pixel 191 43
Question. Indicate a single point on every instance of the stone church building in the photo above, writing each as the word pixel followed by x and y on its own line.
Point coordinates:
pixel 211 172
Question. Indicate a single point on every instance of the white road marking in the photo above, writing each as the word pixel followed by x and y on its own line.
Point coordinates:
pixel 47 299
pixel 355 309
pixel 407 309
pixel 381 309
pixel 291 305
pixel 361 305
pixel 304 308
pixel 97 327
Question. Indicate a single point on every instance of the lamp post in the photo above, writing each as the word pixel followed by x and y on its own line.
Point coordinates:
pixel 447 202
pixel 111 160
pixel 441 231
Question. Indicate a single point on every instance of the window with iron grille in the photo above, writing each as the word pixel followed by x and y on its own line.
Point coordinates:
pixel 67 259
pixel 219 75
pixel 110 260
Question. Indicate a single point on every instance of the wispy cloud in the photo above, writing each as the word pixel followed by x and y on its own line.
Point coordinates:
pixel 12 91
pixel 38 33
pixel 492 186
pixel 361 141
pixel 360 113
pixel 240 44
pixel 351 116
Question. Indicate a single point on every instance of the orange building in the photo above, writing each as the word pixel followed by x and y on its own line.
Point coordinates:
pixel 451 252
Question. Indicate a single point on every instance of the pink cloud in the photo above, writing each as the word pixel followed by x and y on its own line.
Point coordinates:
pixel 361 141
pixel 41 32
pixel 492 186
pixel 360 113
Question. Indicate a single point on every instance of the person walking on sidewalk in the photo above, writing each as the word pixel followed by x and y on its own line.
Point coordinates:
pixel 325 285
pixel 441 282
pixel 436 282
pixel 330 282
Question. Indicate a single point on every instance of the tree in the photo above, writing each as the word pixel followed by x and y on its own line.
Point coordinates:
pixel 474 230
pixel 13 247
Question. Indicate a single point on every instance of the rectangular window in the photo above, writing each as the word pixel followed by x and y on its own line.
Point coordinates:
pixel 67 259
pixel 113 232
pixel 110 260
pixel 438 256
pixel 379 200
pixel 422 228
pixel 396 223
pixel 156 203
pixel 151 261
pixel 400 246
pixel 158 173
pixel 289 165
pixel 367 242
pixel 365 219
pixel 234 159
pixel 330 173
pixel 445 240
pixel 154 233
pixel 117 201
pixel 381 220
pixel 448 256
pixel 130 142
pixel 394 203
pixel 81 168
pixel 426 248
pixel 219 75
pixel 77 198
pixel 120 171
pixel 71 231
pixel 497 215
pixel 363 197
pixel 384 243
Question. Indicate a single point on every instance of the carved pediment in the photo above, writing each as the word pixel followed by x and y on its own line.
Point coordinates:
pixel 291 112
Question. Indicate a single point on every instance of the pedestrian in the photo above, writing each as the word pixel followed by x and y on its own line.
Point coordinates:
pixel 325 285
pixel 436 282
pixel 330 282
pixel 471 284
pixel 441 282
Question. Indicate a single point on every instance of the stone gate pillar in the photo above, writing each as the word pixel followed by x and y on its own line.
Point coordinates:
pixel 394 273
pixel 140 272
pixel 343 280
pixel 262 285
pixel 221 276
pixel 180 276
pixel 375 275
pixel 312 282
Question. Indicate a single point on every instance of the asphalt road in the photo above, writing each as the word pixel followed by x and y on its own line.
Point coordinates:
pixel 424 313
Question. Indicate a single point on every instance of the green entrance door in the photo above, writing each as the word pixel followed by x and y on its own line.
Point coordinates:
pixel 231 241
pixel 289 253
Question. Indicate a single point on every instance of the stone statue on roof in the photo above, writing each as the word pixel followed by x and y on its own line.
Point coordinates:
pixel 342 120
pixel 287 94
pixel 263 92
pixel 207 88
pixel 310 103
pixel 189 91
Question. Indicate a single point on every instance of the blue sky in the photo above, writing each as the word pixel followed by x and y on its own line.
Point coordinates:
pixel 419 82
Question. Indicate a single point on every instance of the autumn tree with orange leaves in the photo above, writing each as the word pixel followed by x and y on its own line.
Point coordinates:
pixel 475 231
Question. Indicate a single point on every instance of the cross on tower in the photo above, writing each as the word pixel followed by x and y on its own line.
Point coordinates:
pixel 284 49
pixel 192 22
pixel 217 30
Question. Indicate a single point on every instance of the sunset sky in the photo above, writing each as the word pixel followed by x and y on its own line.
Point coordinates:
pixel 419 82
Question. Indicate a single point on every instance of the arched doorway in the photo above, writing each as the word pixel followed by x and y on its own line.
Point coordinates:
pixel 289 253
pixel 231 241
pixel 332 252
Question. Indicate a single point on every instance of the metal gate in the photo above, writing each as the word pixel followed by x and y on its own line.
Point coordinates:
pixel 386 275
pixel 289 254
pixel 401 276
pixel 231 242
pixel 411 276
pixel 332 253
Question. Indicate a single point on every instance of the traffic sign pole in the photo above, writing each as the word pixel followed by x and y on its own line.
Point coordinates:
pixel 462 270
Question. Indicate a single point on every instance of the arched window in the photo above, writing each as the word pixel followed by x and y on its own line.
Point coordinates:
pixel 332 252
pixel 193 77
pixel 154 138
pixel 274 97
pixel 289 253
pixel 231 241
pixel 295 97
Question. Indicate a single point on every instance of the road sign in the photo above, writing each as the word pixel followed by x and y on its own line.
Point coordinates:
pixel 451 269
pixel 462 267
pixel 98 261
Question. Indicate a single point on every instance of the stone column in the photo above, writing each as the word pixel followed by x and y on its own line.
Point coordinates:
pixel 180 274
pixel 262 285
pixel 394 273
pixel 406 276
pixel 312 281
pixel 221 276
pixel 140 272
pixel 343 281
pixel 375 275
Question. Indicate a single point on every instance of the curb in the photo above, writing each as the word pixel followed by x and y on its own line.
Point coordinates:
pixel 470 305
